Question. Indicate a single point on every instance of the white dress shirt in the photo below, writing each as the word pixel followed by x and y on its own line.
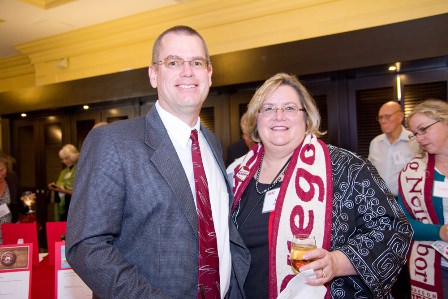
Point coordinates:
pixel 389 159
pixel 179 133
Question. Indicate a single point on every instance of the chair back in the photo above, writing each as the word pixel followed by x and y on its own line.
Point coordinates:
pixel 55 230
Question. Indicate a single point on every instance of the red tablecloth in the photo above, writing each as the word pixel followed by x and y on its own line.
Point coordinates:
pixel 42 285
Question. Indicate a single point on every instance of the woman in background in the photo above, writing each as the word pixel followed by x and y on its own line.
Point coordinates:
pixel 69 155
pixel 423 187
pixel 11 204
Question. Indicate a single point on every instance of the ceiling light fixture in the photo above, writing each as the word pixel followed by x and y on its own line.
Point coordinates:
pixel 396 67
pixel 392 68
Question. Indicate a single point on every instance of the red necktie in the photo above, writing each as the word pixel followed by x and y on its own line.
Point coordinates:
pixel 208 276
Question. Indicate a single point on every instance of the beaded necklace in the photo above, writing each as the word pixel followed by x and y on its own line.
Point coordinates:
pixel 277 178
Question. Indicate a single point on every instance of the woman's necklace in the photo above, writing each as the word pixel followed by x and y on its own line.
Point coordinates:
pixel 277 178
pixel 261 194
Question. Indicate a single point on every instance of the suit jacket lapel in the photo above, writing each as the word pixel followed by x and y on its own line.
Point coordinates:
pixel 165 159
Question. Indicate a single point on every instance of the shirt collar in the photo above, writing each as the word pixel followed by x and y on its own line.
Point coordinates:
pixel 177 129
pixel 404 135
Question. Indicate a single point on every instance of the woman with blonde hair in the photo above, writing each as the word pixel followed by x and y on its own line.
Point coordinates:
pixel 423 187
pixel 292 183
pixel 69 155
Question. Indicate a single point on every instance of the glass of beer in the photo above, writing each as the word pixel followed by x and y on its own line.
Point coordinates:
pixel 300 245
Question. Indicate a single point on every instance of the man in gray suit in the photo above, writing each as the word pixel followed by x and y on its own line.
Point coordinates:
pixel 132 229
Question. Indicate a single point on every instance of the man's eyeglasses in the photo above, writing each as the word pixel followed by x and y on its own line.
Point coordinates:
pixel 386 116
pixel 177 63
pixel 272 109
pixel 421 131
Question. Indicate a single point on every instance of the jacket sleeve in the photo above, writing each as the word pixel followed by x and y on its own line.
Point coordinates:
pixel 369 226
pixel 95 222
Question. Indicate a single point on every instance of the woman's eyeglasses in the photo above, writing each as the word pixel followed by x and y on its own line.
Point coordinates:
pixel 272 109
pixel 421 131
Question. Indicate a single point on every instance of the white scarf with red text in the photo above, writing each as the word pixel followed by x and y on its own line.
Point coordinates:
pixel 303 206
pixel 415 186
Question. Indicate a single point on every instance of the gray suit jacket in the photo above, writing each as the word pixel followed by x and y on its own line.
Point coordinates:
pixel 132 225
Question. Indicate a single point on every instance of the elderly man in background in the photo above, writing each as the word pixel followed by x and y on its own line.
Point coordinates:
pixel 390 151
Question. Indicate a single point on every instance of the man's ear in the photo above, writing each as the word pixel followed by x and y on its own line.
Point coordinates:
pixel 152 73
pixel 210 72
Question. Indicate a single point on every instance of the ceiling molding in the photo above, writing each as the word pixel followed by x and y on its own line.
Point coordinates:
pixel 147 26
pixel 227 26
pixel 17 71
pixel 351 52
pixel 46 4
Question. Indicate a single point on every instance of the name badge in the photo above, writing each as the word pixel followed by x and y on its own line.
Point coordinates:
pixel 270 199
pixel 4 210
pixel 440 189
pixel 242 173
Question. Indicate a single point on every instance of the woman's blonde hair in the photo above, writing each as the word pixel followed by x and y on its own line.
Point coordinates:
pixel 433 108
pixel 69 151
pixel 312 116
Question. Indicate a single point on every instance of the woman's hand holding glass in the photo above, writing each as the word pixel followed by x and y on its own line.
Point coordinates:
pixel 306 256
pixel 301 244
pixel 327 265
